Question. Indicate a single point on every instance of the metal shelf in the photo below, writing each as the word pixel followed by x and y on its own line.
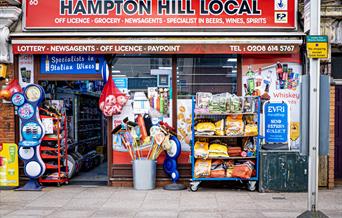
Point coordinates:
pixel 225 114
pixel 227 158
pixel 225 136
pixel 225 179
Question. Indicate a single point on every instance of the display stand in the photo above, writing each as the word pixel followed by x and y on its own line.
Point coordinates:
pixel 251 182
pixel 56 154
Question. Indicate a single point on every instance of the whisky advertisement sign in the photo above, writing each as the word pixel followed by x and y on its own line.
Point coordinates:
pixel 161 14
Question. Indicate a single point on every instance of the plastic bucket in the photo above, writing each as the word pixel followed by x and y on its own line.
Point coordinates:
pixel 144 174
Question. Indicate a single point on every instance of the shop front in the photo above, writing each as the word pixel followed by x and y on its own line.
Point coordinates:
pixel 161 54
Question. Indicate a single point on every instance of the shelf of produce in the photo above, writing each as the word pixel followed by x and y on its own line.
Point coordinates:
pixel 48 149
pixel 227 158
pixel 225 136
pixel 225 178
pixel 45 156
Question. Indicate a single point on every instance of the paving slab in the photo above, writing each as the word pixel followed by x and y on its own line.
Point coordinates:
pixel 195 214
pixel 161 204
pixel 122 204
pixel 156 213
pixel 72 213
pixel 85 203
pixel 30 212
pixel 118 213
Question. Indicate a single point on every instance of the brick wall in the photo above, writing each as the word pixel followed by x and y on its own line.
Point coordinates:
pixel 331 158
pixel 7 126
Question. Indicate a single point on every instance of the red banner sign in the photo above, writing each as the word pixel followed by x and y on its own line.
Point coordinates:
pixel 156 49
pixel 123 14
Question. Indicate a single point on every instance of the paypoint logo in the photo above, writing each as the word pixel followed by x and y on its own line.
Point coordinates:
pixel 280 17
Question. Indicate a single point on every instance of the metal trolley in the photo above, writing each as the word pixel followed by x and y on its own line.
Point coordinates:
pixel 251 182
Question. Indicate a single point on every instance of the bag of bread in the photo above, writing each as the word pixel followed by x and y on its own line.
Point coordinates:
pixel 219 128
pixel 251 130
pixel 205 128
pixel 202 168
pixel 234 125
pixel 201 150
pixel 217 150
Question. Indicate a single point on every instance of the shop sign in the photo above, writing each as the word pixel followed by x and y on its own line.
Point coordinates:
pixel 71 64
pixel 276 122
pixel 317 46
pixel 148 49
pixel 9 170
pixel 166 14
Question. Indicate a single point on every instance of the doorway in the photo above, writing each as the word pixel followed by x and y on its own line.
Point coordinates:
pixel 86 138
pixel 338 132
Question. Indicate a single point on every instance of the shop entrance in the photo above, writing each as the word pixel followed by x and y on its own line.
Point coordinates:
pixel 85 130
pixel 338 132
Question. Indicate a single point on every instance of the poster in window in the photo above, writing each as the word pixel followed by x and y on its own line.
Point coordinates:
pixel 275 78
pixel 26 70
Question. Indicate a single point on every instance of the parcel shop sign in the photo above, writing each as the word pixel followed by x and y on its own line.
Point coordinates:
pixel 165 14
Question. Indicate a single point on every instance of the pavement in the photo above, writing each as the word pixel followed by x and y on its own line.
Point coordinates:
pixel 101 201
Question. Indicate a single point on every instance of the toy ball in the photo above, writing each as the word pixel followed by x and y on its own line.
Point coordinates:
pixel 102 105
pixel 110 100
pixel 122 100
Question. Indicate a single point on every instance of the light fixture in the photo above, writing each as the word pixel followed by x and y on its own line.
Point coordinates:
pixel 231 60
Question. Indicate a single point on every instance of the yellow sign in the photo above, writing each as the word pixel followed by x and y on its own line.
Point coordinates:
pixel 3 70
pixel 9 171
pixel 317 46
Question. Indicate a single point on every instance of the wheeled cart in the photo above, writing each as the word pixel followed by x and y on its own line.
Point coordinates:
pixel 238 153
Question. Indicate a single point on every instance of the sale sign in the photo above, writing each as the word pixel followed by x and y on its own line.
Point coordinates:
pixel 123 14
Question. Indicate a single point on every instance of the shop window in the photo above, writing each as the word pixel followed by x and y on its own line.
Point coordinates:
pixel 148 80
pixel 215 74
pixel 142 71
pixel 336 65
pixel 205 73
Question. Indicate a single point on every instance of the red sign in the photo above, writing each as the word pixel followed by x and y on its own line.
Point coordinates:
pixel 155 49
pixel 137 14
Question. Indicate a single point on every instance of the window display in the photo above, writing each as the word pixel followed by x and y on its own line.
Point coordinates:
pixel 275 78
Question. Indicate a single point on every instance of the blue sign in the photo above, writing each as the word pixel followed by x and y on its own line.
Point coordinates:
pixel 71 64
pixel 276 122
pixel 121 83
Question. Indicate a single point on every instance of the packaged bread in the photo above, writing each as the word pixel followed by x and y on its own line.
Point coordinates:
pixel 219 128
pixel 201 150
pixel 251 130
pixel 217 150
pixel 235 104
pixel 218 103
pixel 234 125
pixel 205 127
pixel 202 168
pixel 203 99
